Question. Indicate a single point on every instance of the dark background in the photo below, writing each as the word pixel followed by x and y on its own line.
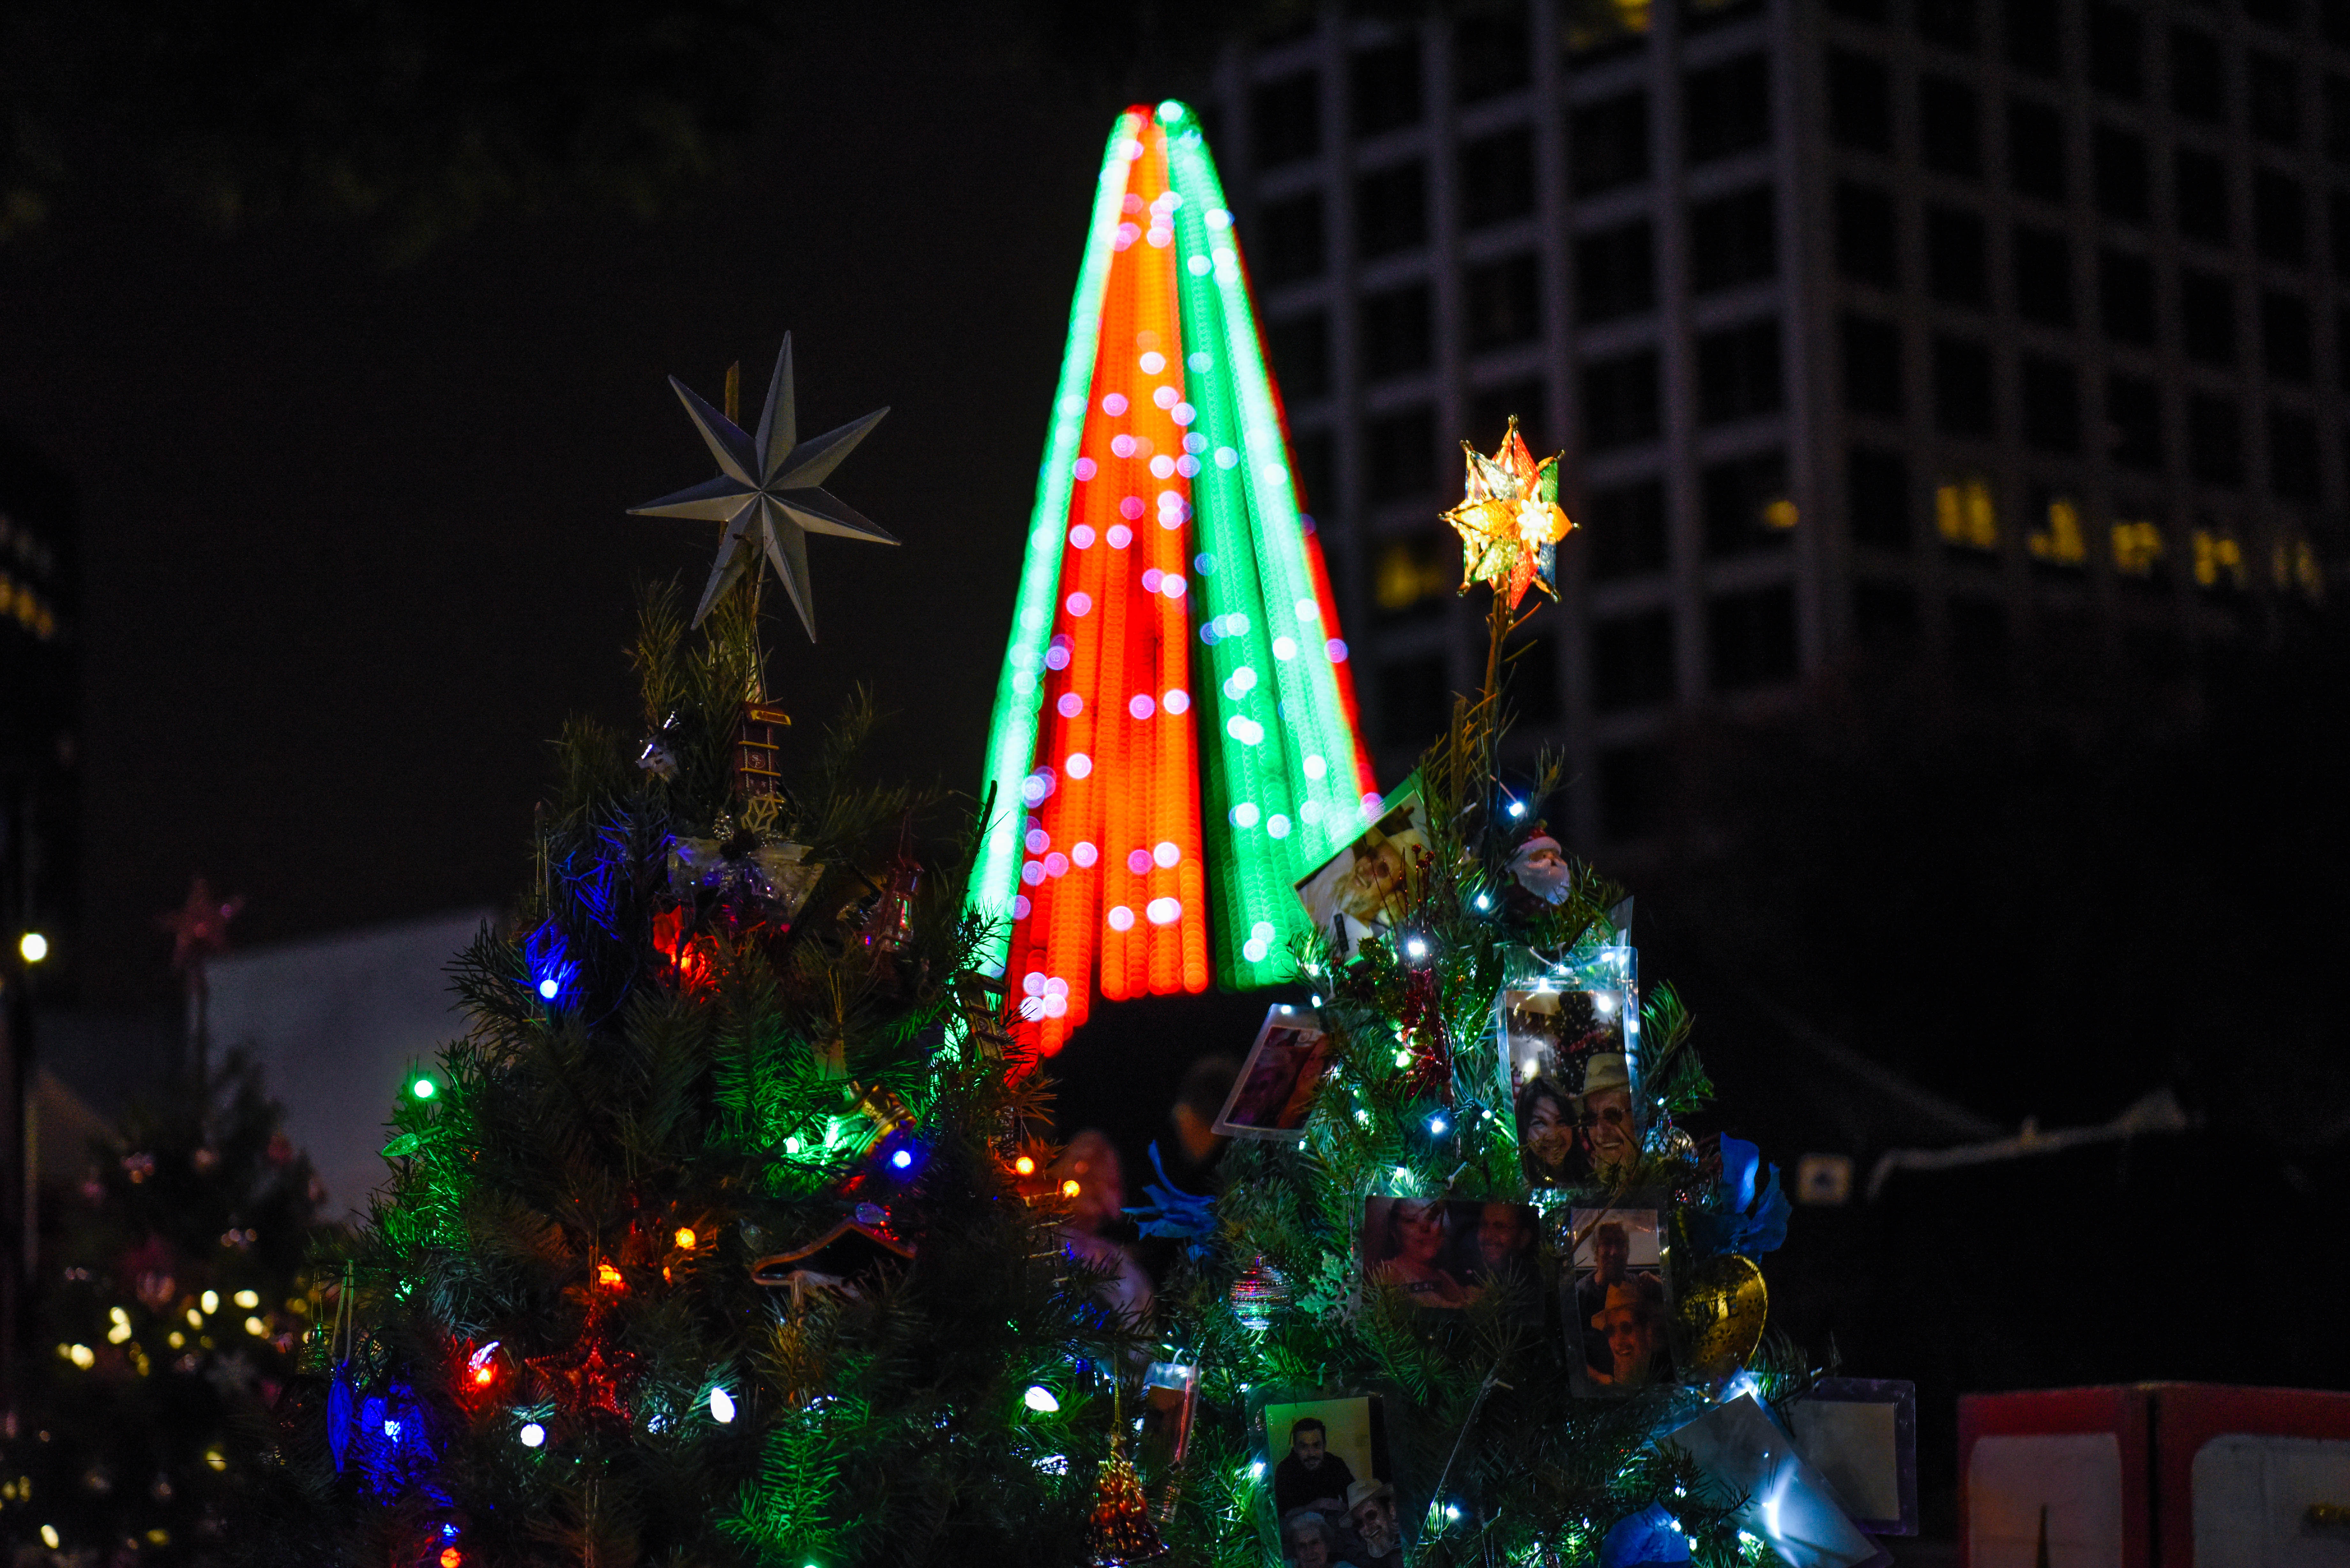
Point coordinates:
pixel 353 427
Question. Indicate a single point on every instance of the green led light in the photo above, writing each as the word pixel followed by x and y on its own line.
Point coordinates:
pixel 423 1088
pixel 1019 692
pixel 1273 701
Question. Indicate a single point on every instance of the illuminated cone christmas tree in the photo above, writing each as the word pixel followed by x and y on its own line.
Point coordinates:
pixel 1174 743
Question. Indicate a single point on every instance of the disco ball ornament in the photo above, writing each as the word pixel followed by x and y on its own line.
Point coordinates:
pixel 1258 1295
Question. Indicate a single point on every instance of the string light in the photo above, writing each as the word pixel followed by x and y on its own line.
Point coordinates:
pixel 608 1276
pixel 1040 1399
pixel 247 1299
pixel 686 1237
pixel 423 1088
pixel 1070 1189
pixel 533 1435
pixel 1025 1166
pixel 721 1405
pixel 33 947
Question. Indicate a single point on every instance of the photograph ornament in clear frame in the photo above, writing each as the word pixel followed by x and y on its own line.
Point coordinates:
pixel 1567 1041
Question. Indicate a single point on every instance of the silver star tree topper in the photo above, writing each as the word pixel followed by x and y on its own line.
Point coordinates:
pixel 767 491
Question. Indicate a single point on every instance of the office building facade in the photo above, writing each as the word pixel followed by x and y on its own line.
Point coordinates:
pixel 2006 339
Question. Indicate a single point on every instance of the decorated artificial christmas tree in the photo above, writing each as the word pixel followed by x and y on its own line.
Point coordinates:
pixel 711 1241
pixel 170 1305
pixel 1476 1289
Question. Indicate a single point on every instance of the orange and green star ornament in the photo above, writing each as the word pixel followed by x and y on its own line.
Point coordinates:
pixel 1509 521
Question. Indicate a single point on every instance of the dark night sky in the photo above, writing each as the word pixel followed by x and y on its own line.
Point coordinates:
pixel 355 541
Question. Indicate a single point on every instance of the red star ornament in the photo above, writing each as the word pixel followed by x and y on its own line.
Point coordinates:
pixel 199 928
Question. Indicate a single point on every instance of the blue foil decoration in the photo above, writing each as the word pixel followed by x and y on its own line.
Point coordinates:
pixel 1753 1217
pixel 1649 1536
pixel 1173 1212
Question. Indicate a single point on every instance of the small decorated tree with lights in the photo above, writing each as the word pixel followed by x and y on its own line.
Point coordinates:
pixel 714 1238
pixel 1487 1300
pixel 169 1307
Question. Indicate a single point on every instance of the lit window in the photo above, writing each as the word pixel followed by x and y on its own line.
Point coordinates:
pixel 2218 559
pixel 2137 547
pixel 1965 513
pixel 2061 542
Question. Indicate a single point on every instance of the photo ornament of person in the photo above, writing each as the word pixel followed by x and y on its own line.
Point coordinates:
pixel 1363 889
pixel 1448 1252
pixel 1334 1499
pixel 1275 1090
pixel 1613 1296
pixel 1569 1043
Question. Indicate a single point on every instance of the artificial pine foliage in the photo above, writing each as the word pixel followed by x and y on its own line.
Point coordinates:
pixel 706 1246
pixel 1486 1433
pixel 167 1313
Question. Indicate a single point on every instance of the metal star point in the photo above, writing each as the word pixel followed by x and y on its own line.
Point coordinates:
pixel 769 491
pixel 1509 520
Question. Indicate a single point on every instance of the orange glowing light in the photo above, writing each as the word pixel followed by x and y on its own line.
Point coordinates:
pixel 1069 1189
pixel 1025 1166
pixel 484 1375
pixel 451 1557
pixel 608 1276
pixel 685 1236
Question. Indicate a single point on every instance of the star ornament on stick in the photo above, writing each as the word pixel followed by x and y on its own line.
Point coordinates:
pixel 199 928
pixel 768 491
pixel 1509 521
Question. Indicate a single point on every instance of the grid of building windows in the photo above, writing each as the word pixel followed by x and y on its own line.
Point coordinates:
pixel 1998 334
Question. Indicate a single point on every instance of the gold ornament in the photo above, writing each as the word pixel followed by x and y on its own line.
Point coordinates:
pixel 1120 1529
pixel 1509 520
pixel 1720 1316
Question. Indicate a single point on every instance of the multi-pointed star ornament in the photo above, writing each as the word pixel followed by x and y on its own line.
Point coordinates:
pixel 1509 522
pixel 199 928
pixel 768 491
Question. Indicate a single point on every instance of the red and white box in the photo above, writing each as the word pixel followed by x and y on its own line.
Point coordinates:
pixel 2155 1475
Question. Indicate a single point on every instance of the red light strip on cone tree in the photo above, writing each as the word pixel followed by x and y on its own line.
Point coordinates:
pixel 1167 553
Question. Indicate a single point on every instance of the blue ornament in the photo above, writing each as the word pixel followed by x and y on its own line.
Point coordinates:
pixel 1649 1536
pixel 339 1417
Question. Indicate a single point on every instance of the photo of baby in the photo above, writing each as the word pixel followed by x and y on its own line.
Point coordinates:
pixel 1275 1091
pixel 1361 890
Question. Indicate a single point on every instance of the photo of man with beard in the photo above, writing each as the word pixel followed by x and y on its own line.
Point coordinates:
pixel 1371 1515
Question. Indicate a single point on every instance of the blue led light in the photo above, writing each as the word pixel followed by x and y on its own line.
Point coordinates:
pixel 903 1159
